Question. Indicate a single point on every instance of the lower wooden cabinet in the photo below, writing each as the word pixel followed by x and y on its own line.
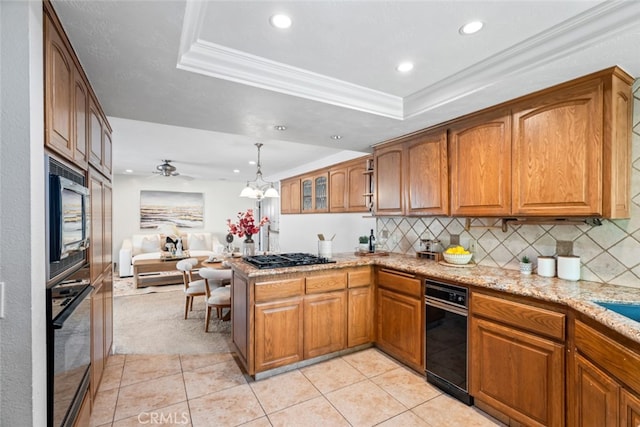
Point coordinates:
pixel 607 375
pixel 518 373
pixel 399 327
pixel 360 316
pixel 596 395
pixel 278 333
pixel 325 323
pixel 629 409
pixel 517 360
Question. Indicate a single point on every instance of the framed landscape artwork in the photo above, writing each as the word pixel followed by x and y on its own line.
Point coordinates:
pixel 182 209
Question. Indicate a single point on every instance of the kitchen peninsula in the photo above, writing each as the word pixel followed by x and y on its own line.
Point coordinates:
pixel 289 317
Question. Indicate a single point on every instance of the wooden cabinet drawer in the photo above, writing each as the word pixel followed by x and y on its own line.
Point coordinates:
pixel 361 277
pixel 266 291
pixel 534 319
pixel 402 282
pixel 326 283
pixel 613 357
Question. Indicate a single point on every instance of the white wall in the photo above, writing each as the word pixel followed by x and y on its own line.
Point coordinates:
pixel 22 252
pixel 299 233
pixel 221 201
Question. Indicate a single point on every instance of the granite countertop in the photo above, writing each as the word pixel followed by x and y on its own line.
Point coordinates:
pixel 577 295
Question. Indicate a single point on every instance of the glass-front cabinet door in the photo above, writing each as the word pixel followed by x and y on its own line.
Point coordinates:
pixel 320 188
pixel 307 195
pixel 315 192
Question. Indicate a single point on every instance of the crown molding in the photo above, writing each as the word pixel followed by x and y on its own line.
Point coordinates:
pixel 588 28
pixel 594 25
pixel 222 62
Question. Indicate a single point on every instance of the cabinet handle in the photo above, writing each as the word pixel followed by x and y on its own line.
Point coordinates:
pixel 399 273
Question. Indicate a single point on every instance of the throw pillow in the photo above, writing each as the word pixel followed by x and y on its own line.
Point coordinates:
pixel 150 244
pixel 198 242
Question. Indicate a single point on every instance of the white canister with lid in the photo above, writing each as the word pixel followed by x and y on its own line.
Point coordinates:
pixel 546 266
pixel 569 267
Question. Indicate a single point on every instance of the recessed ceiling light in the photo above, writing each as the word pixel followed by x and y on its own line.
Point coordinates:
pixel 405 67
pixel 252 162
pixel 471 27
pixel 236 171
pixel 336 137
pixel 129 171
pixel 280 21
pixel 280 127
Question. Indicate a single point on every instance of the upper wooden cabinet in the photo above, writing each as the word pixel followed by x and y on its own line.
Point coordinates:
pixel 560 152
pixel 99 140
pixel 388 165
pixel 480 160
pixel 59 91
pixel 314 189
pixel 557 153
pixel 290 196
pixel 339 188
pixel 427 174
pixel 75 126
pixel 412 175
pixel 348 186
pixel 81 121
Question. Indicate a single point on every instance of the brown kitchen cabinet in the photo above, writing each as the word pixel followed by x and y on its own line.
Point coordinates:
pixel 338 189
pixel 517 360
pixel 358 188
pixel 411 175
pixel 557 153
pixel 314 189
pixel 325 314
pixel 389 163
pixel 571 149
pixel 325 323
pixel 400 317
pixel 81 122
pixel 99 140
pixel 286 318
pixel 606 379
pixel 348 186
pixel 290 196
pixel 360 308
pixel 629 409
pixel 427 174
pixel 480 165
pixel 597 395
pixel 59 91
pixel 279 334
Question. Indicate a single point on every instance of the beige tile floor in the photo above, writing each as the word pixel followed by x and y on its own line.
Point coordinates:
pixel 361 389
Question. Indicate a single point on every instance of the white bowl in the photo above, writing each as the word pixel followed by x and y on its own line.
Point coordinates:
pixel 459 259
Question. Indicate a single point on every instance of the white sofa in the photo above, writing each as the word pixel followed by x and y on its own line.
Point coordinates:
pixel 150 246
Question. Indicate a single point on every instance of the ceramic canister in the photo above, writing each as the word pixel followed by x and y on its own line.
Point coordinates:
pixel 569 267
pixel 325 248
pixel 546 266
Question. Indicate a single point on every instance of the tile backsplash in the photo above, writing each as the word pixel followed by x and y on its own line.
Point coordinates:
pixel 609 253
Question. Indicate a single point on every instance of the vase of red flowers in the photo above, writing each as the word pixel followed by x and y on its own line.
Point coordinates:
pixel 246 227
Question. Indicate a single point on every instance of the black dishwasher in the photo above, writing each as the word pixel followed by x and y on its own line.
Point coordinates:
pixel 446 338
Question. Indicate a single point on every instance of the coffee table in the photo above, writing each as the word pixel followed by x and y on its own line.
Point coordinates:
pixel 147 272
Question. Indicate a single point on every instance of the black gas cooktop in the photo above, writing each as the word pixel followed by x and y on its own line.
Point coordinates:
pixel 285 260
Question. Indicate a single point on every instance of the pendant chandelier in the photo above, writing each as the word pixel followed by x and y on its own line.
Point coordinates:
pixel 259 188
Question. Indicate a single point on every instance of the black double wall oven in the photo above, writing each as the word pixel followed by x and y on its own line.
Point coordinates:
pixel 68 289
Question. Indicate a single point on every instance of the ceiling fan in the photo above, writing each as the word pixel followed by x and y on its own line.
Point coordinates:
pixel 166 169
